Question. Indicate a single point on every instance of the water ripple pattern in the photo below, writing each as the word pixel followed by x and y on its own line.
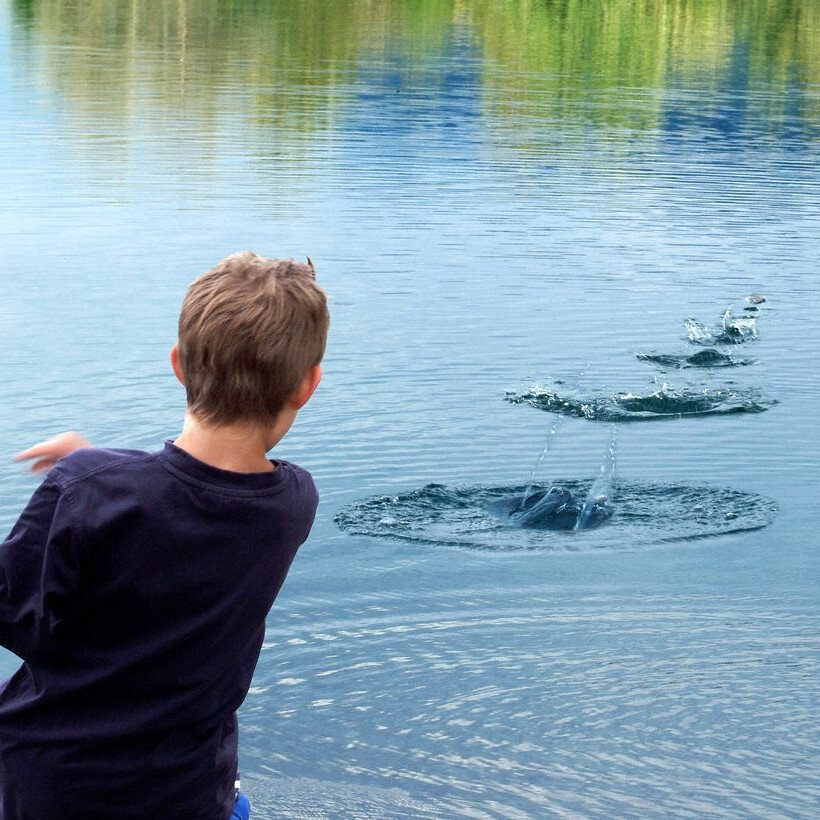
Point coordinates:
pixel 466 704
pixel 484 518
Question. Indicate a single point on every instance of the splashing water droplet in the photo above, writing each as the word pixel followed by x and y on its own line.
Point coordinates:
pixel 602 486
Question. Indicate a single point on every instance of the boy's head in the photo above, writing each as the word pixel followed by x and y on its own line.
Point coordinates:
pixel 250 330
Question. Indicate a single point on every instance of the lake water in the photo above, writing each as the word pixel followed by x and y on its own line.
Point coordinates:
pixel 498 196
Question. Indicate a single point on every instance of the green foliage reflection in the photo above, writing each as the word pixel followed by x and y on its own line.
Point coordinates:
pixel 289 63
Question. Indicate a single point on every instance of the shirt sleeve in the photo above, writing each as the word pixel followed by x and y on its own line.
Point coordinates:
pixel 38 571
pixel 310 505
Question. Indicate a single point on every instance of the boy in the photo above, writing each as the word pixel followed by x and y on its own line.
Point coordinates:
pixel 135 586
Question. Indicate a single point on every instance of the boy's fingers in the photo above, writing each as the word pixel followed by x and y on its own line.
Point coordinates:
pixel 40 449
pixel 42 464
pixel 54 448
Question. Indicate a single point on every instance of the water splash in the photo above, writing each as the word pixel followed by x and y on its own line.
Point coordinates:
pixel 707 358
pixel 739 328
pixel 601 489
pixel 580 381
pixel 544 451
pixel 661 403
pixel 731 330
pixel 554 509
pixel 472 517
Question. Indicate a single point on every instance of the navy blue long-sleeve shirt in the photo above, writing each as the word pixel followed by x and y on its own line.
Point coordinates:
pixel 135 588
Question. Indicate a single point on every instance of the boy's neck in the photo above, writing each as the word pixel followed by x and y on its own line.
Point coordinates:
pixel 240 448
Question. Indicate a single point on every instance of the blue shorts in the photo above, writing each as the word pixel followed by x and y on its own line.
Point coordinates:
pixel 242 809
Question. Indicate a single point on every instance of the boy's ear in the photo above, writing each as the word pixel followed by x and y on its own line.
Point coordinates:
pixel 302 394
pixel 175 364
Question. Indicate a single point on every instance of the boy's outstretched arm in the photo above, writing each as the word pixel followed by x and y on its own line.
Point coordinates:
pixel 49 452
pixel 39 570
pixel 38 559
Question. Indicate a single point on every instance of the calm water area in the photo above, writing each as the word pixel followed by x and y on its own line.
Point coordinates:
pixel 498 196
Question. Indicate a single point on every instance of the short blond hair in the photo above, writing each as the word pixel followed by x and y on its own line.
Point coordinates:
pixel 250 330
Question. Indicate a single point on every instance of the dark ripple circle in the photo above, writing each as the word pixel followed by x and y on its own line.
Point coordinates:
pixel 644 514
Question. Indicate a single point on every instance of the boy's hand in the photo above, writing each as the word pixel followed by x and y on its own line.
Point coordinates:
pixel 50 451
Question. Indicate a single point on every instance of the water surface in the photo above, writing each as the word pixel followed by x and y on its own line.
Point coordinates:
pixel 495 196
